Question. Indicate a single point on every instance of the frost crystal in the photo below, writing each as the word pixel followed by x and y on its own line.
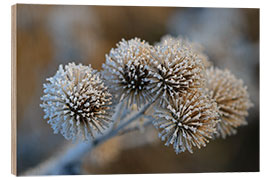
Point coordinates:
pixel 176 68
pixel 76 102
pixel 231 97
pixel 187 121
pixel 127 73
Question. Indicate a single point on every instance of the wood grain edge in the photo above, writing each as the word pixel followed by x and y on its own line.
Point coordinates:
pixel 14 89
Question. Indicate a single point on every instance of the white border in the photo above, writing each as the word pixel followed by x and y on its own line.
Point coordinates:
pixel 5 37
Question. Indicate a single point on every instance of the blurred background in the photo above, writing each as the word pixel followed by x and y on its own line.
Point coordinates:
pixel 49 35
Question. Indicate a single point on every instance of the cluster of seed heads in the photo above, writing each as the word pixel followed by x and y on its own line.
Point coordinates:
pixel 191 101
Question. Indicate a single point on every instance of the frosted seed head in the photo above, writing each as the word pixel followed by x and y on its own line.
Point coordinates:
pixel 130 78
pixel 231 97
pixel 192 119
pixel 176 67
pixel 76 96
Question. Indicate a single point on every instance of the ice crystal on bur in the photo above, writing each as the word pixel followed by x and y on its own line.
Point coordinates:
pixel 187 121
pixel 76 102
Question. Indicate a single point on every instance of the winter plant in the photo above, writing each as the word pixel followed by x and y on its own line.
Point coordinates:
pixel 171 85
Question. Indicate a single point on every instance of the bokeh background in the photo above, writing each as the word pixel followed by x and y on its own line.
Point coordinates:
pixel 49 35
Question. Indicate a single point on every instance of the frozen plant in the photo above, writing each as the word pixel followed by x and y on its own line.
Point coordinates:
pixel 169 85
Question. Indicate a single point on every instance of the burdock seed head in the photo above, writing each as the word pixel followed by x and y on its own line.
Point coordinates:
pixel 187 121
pixel 232 99
pixel 127 73
pixel 176 68
pixel 76 102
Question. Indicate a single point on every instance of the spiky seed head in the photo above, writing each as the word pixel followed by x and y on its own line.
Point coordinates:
pixel 187 121
pixel 232 99
pixel 76 102
pixel 176 68
pixel 126 71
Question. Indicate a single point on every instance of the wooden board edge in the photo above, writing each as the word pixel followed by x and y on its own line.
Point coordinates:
pixel 14 89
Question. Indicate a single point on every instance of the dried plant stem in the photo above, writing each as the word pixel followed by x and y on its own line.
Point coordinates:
pixel 56 165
